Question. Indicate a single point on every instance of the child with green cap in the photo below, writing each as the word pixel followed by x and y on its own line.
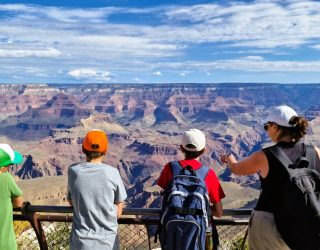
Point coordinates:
pixel 10 196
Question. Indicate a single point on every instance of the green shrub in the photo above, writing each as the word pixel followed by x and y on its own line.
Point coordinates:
pixel 237 244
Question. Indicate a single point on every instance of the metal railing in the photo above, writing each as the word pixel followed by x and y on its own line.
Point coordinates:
pixel 49 227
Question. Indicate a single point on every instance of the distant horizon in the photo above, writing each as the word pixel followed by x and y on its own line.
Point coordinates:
pixel 157 42
pixel 163 83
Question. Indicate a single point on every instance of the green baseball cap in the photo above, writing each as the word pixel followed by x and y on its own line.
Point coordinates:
pixel 8 156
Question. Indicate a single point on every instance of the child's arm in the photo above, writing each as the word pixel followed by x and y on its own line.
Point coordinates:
pixel 120 194
pixel 17 201
pixel 255 163
pixel 69 198
pixel 15 193
pixel 119 209
pixel 217 209
pixel 70 203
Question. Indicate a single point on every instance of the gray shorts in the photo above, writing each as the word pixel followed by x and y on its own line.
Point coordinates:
pixel 263 234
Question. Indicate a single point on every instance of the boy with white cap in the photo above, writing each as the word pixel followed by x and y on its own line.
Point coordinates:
pixel 97 193
pixel 193 145
pixel 10 196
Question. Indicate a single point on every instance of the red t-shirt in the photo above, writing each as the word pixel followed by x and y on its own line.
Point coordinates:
pixel 214 188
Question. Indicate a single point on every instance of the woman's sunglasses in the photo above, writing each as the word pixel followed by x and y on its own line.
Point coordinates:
pixel 266 126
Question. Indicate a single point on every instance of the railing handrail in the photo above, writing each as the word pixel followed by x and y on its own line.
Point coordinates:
pixel 126 211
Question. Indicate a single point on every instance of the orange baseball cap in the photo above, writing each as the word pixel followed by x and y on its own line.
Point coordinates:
pixel 95 141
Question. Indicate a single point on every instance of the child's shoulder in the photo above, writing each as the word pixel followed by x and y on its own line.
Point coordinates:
pixel 109 168
pixel 74 164
pixel 6 176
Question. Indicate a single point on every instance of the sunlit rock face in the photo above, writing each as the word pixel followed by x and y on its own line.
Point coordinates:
pixel 16 99
pixel 144 124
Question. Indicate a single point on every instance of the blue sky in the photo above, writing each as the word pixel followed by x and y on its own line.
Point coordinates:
pixel 145 41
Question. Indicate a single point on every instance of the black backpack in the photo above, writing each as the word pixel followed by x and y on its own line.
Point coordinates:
pixel 185 215
pixel 298 216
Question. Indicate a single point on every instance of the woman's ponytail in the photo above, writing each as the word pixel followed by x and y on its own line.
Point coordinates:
pixel 299 128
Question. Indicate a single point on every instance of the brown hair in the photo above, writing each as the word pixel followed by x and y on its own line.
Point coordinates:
pixel 91 154
pixel 298 130
pixel 191 154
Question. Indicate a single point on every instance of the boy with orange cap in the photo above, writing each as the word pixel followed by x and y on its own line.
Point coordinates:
pixel 97 193
pixel 10 196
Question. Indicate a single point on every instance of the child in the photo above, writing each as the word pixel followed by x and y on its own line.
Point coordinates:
pixel 96 192
pixel 193 144
pixel 10 196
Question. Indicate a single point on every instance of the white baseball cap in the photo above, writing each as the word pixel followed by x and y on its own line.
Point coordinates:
pixel 195 138
pixel 281 115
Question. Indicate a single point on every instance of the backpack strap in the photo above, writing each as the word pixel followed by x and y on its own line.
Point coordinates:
pixel 280 155
pixel 175 168
pixel 202 172
pixel 311 155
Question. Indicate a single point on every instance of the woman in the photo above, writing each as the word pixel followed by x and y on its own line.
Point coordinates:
pixel 285 128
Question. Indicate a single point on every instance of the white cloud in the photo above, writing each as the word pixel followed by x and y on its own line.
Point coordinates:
pixel 90 74
pixel 254 58
pixel 182 74
pixel 252 24
pixel 317 46
pixel 245 64
pixel 271 43
pixel 84 41
pixel 157 73
pixel 130 45
pixel 58 13
pixel 50 52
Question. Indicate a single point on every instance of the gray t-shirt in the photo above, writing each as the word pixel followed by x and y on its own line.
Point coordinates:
pixel 94 189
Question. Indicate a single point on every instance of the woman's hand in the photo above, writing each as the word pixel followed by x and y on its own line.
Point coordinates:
pixel 227 159
pixel 223 159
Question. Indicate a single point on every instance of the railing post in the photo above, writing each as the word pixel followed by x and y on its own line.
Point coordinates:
pixel 149 236
pixel 32 217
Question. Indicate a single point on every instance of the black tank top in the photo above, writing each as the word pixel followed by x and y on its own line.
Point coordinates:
pixel 271 186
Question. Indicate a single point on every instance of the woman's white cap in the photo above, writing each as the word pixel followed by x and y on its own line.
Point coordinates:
pixel 195 138
pixel 281 115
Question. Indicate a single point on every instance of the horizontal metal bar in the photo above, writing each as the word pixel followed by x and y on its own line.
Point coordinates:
pixel 124 220
pixel 55 218
pixel 126 211
pixel 239 211
pixel 49 209
pixel 19 217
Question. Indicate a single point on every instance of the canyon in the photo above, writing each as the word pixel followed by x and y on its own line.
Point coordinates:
pixel 144 123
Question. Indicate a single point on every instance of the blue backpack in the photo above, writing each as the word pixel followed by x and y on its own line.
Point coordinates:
pixel 185 216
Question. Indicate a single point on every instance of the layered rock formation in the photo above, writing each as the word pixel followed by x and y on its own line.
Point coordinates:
pixel 144 123
pixel 16 99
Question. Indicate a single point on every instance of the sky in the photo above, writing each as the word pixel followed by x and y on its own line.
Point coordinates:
pixel 159 41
